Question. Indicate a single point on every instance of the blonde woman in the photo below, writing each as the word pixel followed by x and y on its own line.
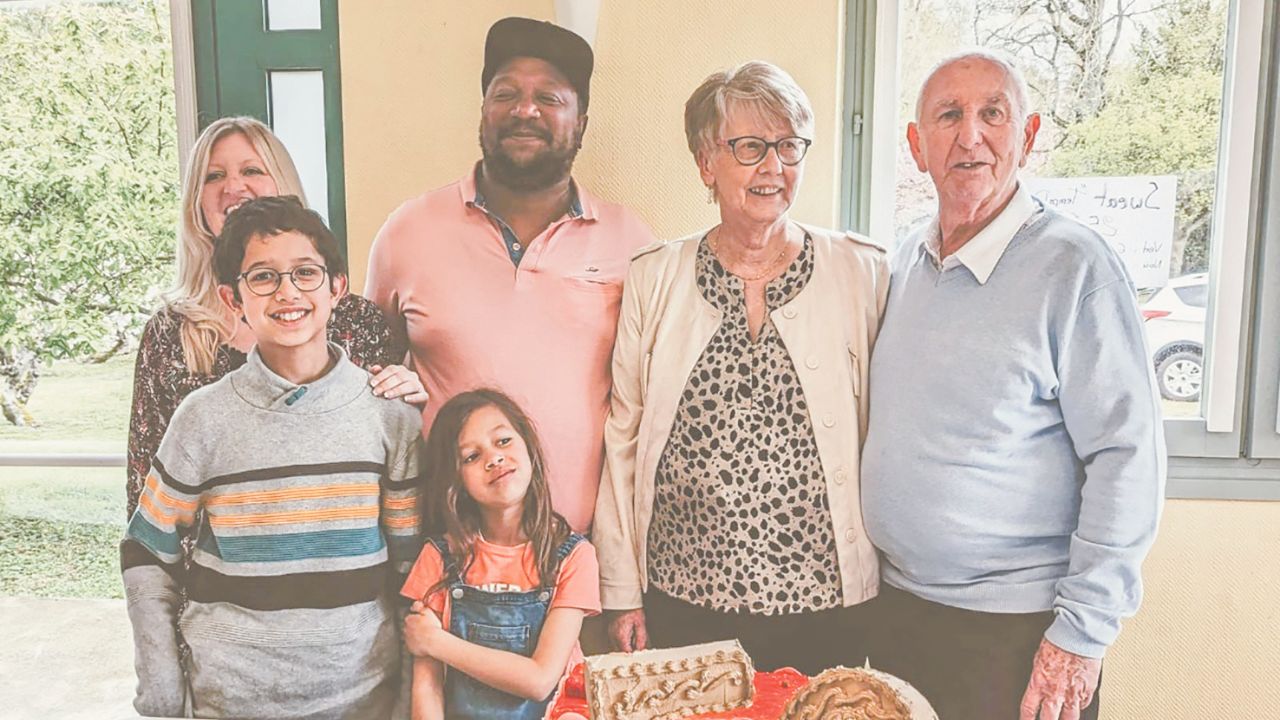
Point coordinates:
pixel 193 340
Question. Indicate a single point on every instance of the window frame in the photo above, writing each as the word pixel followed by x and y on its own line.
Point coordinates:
pixel 1232 450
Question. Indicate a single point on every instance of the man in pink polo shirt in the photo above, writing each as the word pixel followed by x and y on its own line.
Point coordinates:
pixel 512 276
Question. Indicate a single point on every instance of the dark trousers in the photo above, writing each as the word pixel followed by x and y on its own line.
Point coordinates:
pixel 808 642
pixel 969 665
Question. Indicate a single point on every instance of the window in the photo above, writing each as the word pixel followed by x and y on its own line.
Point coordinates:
pixel 1155 119
pixel 88 206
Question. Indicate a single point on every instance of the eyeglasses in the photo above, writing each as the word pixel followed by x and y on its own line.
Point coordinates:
pixel 750 150
pixel 264 281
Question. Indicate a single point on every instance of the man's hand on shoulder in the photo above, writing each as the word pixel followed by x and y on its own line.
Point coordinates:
pixel 398 381
pixel 1062 684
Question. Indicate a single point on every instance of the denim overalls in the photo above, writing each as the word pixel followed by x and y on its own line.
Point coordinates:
pixel 510 621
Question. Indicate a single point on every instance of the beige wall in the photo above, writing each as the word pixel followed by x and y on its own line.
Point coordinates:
pixel 411 99
pixel 1208 636
pixel 1210 626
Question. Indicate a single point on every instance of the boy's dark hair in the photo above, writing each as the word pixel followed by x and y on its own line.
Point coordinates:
pixel 267 217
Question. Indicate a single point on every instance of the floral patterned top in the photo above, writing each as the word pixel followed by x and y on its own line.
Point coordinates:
pixel 162 380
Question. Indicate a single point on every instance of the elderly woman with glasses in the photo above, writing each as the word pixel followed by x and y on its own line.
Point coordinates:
pixel 729 506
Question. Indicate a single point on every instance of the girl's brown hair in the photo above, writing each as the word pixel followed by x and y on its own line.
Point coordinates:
pixel 450 510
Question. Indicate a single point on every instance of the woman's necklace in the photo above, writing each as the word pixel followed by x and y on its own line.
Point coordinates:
pixel 714 241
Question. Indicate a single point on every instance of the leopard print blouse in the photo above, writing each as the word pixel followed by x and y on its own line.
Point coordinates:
pixel 741 520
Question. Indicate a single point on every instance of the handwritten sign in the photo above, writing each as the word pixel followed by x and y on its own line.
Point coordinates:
pixel 1134 214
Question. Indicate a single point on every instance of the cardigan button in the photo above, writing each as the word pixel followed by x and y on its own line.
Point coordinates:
pixel 789 313
pixel 811 362
pixel 850 535
pixel 828 420
pixel 840 476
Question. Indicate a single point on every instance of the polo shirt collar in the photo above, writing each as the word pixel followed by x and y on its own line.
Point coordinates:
pixel 582 206
pixel 985 249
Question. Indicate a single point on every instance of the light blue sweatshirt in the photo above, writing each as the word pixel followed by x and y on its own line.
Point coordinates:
pixel 1015 460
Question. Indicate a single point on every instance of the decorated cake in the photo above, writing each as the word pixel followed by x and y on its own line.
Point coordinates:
pixel 716 681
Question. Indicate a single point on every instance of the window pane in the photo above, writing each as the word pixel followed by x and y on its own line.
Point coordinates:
pixel 297 116
pixel 1131 108
pixel 293 15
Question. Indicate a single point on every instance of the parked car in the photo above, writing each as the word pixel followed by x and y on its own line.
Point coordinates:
pixel 1174 321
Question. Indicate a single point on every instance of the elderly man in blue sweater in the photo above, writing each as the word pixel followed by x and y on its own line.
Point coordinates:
pixel 1014 469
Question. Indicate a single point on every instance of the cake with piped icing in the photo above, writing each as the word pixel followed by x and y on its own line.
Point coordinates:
pixel 716 681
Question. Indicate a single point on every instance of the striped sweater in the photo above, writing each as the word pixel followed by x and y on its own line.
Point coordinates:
pixel 303 506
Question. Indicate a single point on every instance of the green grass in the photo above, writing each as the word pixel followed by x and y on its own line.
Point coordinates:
pixel 60 530
pixel 45 558
pixel 60 527
pixel 79 408
pixel 90 496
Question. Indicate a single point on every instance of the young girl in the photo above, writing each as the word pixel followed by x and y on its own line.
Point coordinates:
pixel 500 594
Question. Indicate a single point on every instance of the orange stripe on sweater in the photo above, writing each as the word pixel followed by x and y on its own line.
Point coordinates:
pixel 359 512
pixel 162 494
pixel 298 493
pixel 161 515
pixel 404 523
pixel 408 503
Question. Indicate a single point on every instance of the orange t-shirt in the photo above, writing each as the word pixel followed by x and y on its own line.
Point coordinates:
pixel 511 568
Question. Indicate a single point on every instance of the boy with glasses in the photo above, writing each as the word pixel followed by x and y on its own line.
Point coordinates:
pixel 300 487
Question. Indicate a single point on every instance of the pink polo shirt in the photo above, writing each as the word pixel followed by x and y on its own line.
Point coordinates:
pixel 542 332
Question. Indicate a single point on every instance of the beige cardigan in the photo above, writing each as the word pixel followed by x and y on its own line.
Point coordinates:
pixel 829 328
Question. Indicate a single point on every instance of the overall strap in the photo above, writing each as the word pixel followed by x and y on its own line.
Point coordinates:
pixel 441 544
pixel 567 547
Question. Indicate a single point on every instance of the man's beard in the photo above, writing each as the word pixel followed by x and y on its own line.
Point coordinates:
pixel 545 169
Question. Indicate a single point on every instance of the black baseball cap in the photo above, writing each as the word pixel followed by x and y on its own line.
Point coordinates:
pixel 515 37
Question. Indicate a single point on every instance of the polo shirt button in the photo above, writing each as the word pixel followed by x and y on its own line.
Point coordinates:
pixel 828 420
pixel 457 593
pixel 811 362
pixel 788 313
pixel 850 535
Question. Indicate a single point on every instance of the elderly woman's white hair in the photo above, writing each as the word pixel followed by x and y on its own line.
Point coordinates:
pixel 757 87
pixel 1017 82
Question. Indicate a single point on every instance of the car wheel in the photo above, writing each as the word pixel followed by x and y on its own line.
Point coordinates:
pixel 1179 376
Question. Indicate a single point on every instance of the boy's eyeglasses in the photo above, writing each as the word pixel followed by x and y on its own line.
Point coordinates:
pixel 750 150
pixel 264 281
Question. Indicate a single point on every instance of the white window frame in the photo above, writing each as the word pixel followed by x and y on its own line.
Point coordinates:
pixel 184 79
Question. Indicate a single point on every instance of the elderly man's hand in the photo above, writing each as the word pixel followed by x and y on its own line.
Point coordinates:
pixel 627 631
pixel 1062 684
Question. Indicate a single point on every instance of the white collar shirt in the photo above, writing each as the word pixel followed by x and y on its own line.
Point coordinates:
pixel 983 250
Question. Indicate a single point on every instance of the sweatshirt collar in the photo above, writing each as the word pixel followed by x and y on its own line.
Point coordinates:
pixel 262 388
